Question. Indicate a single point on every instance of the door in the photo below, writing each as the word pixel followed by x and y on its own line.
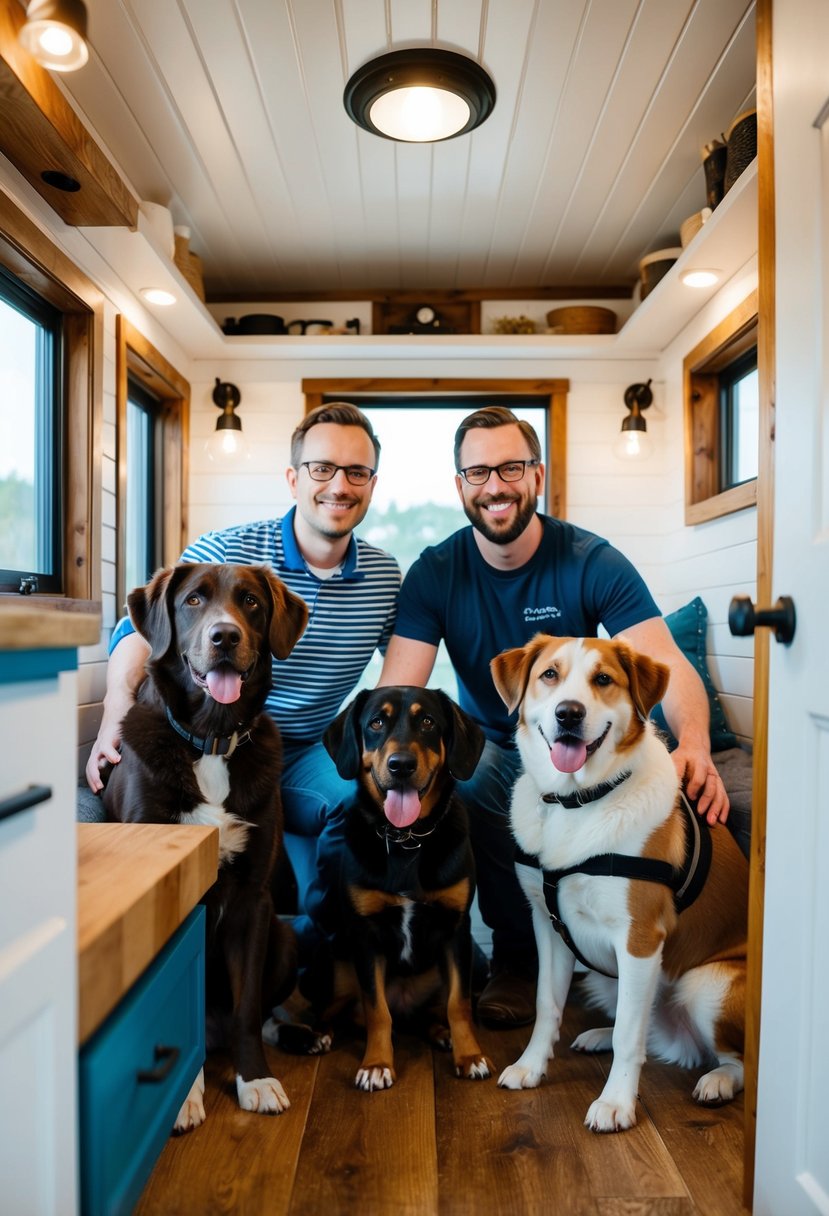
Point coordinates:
pixel 792 1145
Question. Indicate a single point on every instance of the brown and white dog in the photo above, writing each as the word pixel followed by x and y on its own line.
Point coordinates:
pixel 599 784
pixel 197 748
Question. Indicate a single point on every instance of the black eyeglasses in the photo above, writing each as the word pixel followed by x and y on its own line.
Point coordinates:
pixel 513 470
pixel 321 470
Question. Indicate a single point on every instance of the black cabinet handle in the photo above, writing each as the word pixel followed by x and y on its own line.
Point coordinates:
pixel 744 617
pixel 166 1057
pixel 21 802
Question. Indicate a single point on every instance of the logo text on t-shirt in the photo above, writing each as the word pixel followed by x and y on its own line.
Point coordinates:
pixel 549 612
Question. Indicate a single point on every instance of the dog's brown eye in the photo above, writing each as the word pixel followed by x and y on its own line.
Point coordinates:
pixel 427 723
pixel 193 601
pixel 603 679
pixel 251 601
pixel 550 675
pixel 376 723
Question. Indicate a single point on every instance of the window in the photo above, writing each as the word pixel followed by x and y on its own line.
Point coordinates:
pixel 721 389
pixel 153 411
pixel 143 551
pixel 51 329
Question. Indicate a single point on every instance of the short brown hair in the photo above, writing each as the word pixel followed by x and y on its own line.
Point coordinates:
pixel 343 413
pixel 490 417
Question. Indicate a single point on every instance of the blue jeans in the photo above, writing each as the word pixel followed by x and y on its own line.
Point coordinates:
pixel 314 798
pixel 504 907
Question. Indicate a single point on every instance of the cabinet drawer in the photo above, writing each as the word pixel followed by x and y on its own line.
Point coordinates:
pixel 136 1071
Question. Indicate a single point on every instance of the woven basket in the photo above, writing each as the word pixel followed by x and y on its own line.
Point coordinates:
pixel 741 141
pixel 689 228
pixel 655 266
pixel 582 319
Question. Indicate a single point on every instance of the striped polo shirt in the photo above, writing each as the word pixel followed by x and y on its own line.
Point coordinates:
pixel 351 614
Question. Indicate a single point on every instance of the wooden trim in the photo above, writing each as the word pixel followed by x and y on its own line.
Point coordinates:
pixel 555 495
pixel 40 131
pixel 137 356
pixel 27 253
pixel 766 357
pixel 701 369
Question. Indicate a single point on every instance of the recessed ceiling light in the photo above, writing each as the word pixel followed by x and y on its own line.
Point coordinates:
pixel 700 278
pixel 157 295
pixel 54 33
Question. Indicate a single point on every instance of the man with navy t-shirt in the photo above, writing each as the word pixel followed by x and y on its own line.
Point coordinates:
pixel 492 586
pixel 350 588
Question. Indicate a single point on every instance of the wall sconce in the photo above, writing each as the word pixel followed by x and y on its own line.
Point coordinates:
pixel 227 444
pixel 634 442
pixel 419 96
pixel 54 34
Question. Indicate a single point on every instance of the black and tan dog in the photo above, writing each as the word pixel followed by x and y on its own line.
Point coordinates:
pixel 197 748
pixel 408 872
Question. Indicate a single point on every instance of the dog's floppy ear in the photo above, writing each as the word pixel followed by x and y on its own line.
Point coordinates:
pixel 344 741
pixel 289 615
pixel 648 678
pixel 511 670
pixel 151 609
pixel 466 741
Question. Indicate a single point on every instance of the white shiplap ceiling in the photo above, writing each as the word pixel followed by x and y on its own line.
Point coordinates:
pixel 230 113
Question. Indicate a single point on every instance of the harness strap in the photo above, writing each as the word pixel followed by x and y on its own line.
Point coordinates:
pixel 211 745
pixel 686 882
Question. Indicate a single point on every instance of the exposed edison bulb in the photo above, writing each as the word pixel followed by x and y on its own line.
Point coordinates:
pixel 633 445
pixel 227 447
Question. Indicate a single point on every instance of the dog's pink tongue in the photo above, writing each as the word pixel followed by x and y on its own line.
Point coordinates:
pixel 568 757
pixel 402 807
pixel 224 685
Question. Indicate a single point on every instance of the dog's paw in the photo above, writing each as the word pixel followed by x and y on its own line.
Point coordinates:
pixel 518 1076
pixel 610 1116
pixel 375 1076
pixel 191 1114
pixel 600 1039
pixel 295 1038
pixel 264 1095
pixel 473 1068
pixel 720 1085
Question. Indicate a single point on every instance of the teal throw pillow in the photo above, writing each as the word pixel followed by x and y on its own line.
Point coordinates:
pixel 688 625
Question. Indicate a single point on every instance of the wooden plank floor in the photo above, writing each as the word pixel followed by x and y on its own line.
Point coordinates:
pixel 437 1146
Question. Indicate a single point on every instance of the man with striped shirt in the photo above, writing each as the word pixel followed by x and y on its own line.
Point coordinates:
pixel 350 588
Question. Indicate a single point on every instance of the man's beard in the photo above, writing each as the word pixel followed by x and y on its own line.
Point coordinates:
pixel 479 518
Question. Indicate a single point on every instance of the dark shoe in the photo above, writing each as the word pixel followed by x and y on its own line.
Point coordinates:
pixel 508 1000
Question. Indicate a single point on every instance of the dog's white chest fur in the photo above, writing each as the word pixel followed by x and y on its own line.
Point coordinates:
pixel 214 782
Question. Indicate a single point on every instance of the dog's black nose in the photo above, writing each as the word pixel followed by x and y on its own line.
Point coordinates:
pixel 570 714
pixel 401 764
pixel 225 636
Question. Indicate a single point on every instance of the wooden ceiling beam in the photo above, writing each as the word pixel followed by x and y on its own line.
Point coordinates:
pixel 40 132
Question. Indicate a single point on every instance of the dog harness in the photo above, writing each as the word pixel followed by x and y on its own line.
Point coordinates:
pixel 212 745
pixel 685 881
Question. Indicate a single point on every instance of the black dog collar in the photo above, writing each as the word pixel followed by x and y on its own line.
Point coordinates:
pixel 582 797
pixel 212 745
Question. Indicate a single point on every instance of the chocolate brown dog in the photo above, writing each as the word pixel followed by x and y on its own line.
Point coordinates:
pixel 408 872
pixel 198 749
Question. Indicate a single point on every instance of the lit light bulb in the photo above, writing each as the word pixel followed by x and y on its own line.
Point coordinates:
pixel 227 448
pixel 420 115
pixel 633 445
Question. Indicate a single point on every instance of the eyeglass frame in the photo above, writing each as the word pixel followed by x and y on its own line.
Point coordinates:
pixel 338 468
pixel 496 468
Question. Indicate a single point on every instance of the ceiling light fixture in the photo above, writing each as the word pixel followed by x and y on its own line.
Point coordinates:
pixel 54 33
pixel 700 278
pixel 227 444
pixel 419 96
pixel 634 442
pixel 157 295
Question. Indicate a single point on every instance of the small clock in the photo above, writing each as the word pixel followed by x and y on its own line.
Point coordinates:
pixel 425 315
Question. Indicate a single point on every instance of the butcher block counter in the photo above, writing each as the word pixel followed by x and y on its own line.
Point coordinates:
pixel 137 883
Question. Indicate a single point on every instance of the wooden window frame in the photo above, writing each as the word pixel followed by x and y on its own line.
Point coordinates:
pixel 27 253
pixel 137 357
pixel 555 488
pixel 701 369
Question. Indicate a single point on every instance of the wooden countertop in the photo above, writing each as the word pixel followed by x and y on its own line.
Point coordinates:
pixel 137 883
pixel 27 623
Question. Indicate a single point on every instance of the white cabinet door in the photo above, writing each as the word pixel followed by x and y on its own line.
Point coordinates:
pixel 38 950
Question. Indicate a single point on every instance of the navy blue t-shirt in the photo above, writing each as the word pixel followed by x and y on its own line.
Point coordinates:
pixel 574 582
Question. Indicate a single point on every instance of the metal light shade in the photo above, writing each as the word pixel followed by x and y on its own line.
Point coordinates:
pixel 55 34
pixel 419 96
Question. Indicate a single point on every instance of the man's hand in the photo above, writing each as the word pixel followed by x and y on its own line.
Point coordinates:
pixel 702 782
pixel 104 751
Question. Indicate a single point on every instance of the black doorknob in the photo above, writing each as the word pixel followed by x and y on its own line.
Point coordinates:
pixel 744 618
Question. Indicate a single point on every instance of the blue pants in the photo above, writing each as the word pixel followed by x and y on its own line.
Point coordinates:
pixel 315 797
